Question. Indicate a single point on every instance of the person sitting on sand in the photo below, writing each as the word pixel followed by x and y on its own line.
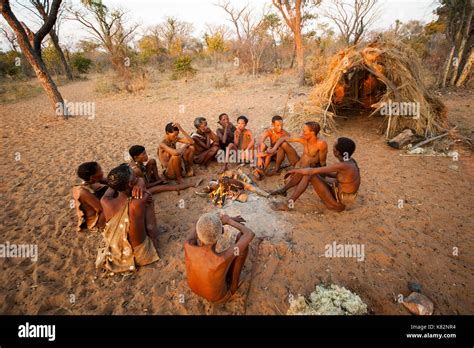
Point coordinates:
pixel 87 196
pixel 264 159
pixel 243 142
pixel 214 260
pixel 226 132
pixel 340 187
pixel 130 223
pixel 171 158
pixel 148 171
pixel 314 153
pixel 206 142
pixel 225 135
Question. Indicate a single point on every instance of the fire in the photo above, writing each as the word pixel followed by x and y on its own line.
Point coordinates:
pixel 232 185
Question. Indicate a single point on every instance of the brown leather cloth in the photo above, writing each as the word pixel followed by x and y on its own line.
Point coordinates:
pixel 118 255
pixel 145 253
pixel 343 197
pixel 87 217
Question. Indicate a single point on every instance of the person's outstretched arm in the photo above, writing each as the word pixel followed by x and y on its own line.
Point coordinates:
pixel 282 140
pixel 312 171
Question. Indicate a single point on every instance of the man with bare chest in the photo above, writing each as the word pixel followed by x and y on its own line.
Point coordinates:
pixel 314 153
pixel 264 158
pixel 339 189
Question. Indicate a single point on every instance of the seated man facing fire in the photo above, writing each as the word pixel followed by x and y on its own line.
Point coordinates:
pixel 173 159
pixel 144 167
pixel 214 258
pixel 206 142
pixel 339 189
pixel 285 150
pixel 314 153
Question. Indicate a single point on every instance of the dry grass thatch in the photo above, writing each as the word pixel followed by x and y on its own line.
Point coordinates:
pixel 364 79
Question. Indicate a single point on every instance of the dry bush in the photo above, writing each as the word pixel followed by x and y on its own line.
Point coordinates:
pixel 137 81
pixel 222 82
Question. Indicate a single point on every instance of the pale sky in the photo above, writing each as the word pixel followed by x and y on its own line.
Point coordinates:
pixel 200 12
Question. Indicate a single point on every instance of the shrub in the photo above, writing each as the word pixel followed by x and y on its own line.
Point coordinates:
pixel 81 63
pixel 182 67
pixel 7 64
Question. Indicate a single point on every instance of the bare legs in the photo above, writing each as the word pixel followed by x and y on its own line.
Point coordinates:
pixel 322 188
pixel 168 188
pixel 188 157
pixel 293 181
pixel 284 150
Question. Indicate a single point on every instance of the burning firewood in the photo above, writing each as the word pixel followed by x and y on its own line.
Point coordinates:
pixel 231 185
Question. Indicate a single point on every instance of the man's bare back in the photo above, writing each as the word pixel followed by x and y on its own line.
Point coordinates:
pixel 211 275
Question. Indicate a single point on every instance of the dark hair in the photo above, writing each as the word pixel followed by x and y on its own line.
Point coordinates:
pixel 246 120
pixel 170 128
pixel 136 150
pixel 345 145
pixel 198 121
pixel 277 118
pixel 222 115
pixel 314 126
pixel 86 170
pixel 119 177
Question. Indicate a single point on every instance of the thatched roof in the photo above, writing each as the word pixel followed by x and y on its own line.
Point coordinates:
pixel 370 77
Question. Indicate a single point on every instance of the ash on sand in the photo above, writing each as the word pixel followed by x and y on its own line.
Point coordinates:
pixel 334 300
pixel 260 217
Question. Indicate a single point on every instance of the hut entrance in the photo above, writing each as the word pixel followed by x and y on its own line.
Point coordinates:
pixel 357 93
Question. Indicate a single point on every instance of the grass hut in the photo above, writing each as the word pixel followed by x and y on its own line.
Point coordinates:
pixel 381 78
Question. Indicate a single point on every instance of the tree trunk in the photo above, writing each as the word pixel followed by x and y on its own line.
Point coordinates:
pixel 55 40
pixel 32 53
pixel 464 35
pixel 55 99
pixel 300 58
pixel 293 56
pixel 447 67
pixel 466 70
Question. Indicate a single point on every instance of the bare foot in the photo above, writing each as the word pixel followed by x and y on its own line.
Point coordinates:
pixel 275 171
pixel 280 192
pixel 258 174
pixel 279 206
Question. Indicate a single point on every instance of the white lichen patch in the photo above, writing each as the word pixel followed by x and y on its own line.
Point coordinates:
pixel 334 300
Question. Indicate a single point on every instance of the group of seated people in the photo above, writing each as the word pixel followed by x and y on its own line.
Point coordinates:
pixel 121 205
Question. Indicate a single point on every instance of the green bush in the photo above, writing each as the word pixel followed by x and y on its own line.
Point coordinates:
pixel 52 60
pixel 81 63
pixel 8 66
pixel 182 67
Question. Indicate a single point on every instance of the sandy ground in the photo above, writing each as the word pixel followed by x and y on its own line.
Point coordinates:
pixel 414 243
